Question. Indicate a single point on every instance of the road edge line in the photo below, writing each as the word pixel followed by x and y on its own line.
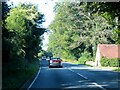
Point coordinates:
pixel 34 79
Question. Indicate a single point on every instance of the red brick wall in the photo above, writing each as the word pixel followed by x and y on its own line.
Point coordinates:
pixel 109 50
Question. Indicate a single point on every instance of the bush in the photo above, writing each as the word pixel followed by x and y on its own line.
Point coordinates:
pixel 82 60
pixel 109 62
pixel 86 56
pixel 118 69
pixel 15 78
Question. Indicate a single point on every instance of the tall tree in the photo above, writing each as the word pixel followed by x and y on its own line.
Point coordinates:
pixel 75 30
pixel 5 34
pixel 22 42
pixel 111 12
pixel 23 22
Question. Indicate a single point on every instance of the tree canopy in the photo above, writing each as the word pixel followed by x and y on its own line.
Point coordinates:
pixel 79 27
pixel 21 42
pixel 22 34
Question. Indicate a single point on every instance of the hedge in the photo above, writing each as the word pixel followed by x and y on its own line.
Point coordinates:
pixel 109 62
pixel 86 56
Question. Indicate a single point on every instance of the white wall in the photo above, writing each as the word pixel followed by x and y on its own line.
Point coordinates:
pixel 98 56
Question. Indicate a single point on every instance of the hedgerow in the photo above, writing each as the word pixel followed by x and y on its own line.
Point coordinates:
pixel 114 62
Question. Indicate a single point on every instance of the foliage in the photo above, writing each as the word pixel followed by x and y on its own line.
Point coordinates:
pixel 76 29
pixel 109 62
pixel 111 12
pixel 118 69
pixel 5 35
pixel 45 54
pixel 86 56
pixel 21 42
pixel 70 61
pixel 15 79
pixel 23 22
pixel 116 36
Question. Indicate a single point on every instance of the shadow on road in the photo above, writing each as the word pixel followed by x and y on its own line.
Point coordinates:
pixel 64 79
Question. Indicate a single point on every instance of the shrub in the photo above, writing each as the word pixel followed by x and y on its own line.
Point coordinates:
pixel 109 62
pixel 15 78
pixel 117 69
pixel 86 56
pixel 82 60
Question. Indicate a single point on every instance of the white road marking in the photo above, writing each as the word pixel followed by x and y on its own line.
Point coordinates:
pixel 82 76
pixel 79 74
pixel 34 79
pixel 99 86
pixel 87 79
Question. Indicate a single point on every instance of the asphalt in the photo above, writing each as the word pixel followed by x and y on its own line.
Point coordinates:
pixel 74 77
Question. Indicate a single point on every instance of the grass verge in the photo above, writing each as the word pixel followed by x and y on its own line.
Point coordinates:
pixel 89 65
pixel 70 61
pixel 18 77
pixel 117 69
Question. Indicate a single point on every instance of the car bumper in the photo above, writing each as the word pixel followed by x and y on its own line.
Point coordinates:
pixel 55 64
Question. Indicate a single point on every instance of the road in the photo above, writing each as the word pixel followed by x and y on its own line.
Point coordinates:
pixel 73 76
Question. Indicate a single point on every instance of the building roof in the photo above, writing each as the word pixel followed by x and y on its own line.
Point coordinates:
pixel 109 50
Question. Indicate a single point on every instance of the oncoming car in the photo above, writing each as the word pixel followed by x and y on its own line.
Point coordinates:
pixel 55 62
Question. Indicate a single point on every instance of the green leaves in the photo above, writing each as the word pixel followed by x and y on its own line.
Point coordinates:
pixel 77 27
pixel 21 42
pixel 24 21
pixel 116 36
pixel 16 21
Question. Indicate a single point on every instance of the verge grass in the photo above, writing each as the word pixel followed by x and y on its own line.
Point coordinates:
pixel 18 77
pixel 117 69
pixel 70 61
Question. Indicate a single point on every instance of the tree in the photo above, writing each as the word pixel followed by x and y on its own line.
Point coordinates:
pixel 22 42
pixel 75 30
pixel 23 25
pixel 111 12
pixel 6 45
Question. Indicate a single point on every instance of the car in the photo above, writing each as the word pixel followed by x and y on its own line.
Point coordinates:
pixel 43 59
pixel 55 62
pixel 47 58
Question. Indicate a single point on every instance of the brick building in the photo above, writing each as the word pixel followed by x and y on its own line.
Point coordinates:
pixel 107 51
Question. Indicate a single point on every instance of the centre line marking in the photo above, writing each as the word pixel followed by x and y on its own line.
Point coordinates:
pixel 87 79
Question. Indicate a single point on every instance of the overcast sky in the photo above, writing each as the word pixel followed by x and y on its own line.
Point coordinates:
pixel 46 7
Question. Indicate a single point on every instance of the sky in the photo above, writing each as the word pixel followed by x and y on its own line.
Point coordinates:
pixel 46 7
